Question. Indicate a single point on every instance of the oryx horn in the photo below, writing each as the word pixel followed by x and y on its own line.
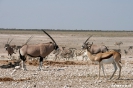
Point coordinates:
pixel 29 39
pixel 49 36
pixel 7 40
pixel 88 38
pixel 11 40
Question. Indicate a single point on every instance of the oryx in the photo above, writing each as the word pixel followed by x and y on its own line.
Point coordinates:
pixel 9 48
pixel 37 50
pixel 94 49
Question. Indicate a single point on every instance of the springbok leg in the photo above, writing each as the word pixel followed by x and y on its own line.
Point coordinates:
pixel 115 68
pixel 103 71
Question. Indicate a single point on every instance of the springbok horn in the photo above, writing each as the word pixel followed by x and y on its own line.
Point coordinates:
pixel 11 40
pixel 49 36
pixel 88 38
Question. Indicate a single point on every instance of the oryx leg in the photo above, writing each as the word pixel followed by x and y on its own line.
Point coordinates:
pixel 23 63
pixel 10 56
pixel 115 68
pixel 40 63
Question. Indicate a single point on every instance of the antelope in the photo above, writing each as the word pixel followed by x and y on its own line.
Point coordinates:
pixel 9 48
pixel 94 49
pixel 105 58
pixel 126 52
pixel 117 50
pixel 10 51
pixel 82 53
pixel 64 53
pixel 37 50
pixel 118 43
pixel 130 49
pixel 18 47
pixel 15 47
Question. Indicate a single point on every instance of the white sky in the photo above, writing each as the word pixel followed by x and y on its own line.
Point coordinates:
pixel 67 14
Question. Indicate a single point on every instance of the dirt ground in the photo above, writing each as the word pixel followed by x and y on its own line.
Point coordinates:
pixel 66 74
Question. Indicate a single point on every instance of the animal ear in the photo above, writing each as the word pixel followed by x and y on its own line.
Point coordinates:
pixel 87 43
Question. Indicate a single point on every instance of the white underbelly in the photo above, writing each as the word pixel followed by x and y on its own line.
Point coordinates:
pixel 108 61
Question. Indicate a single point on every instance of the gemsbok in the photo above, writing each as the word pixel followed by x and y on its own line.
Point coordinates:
pixel 109 57
pixel 37 50
pixel 14 47
pixel 9 48
pixel 94 49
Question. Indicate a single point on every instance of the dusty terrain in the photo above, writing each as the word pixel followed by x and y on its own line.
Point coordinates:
pixel 66 74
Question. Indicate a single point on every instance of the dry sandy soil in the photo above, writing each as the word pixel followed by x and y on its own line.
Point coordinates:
pixel 66 74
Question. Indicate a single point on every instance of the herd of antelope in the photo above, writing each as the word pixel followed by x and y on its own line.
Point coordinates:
pixel 99 54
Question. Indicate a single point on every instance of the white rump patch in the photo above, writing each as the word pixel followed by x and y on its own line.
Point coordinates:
pixel 108 61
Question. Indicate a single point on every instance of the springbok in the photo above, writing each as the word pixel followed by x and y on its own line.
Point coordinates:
pixel 94 49
pixel 109 57
pixel 126 52
pixel 118 43
pixel 38 50
pixel 130 49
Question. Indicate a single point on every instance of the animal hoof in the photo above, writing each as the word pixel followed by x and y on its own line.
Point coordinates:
pixel 40 69
pixel 117 78
pixel 24 69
